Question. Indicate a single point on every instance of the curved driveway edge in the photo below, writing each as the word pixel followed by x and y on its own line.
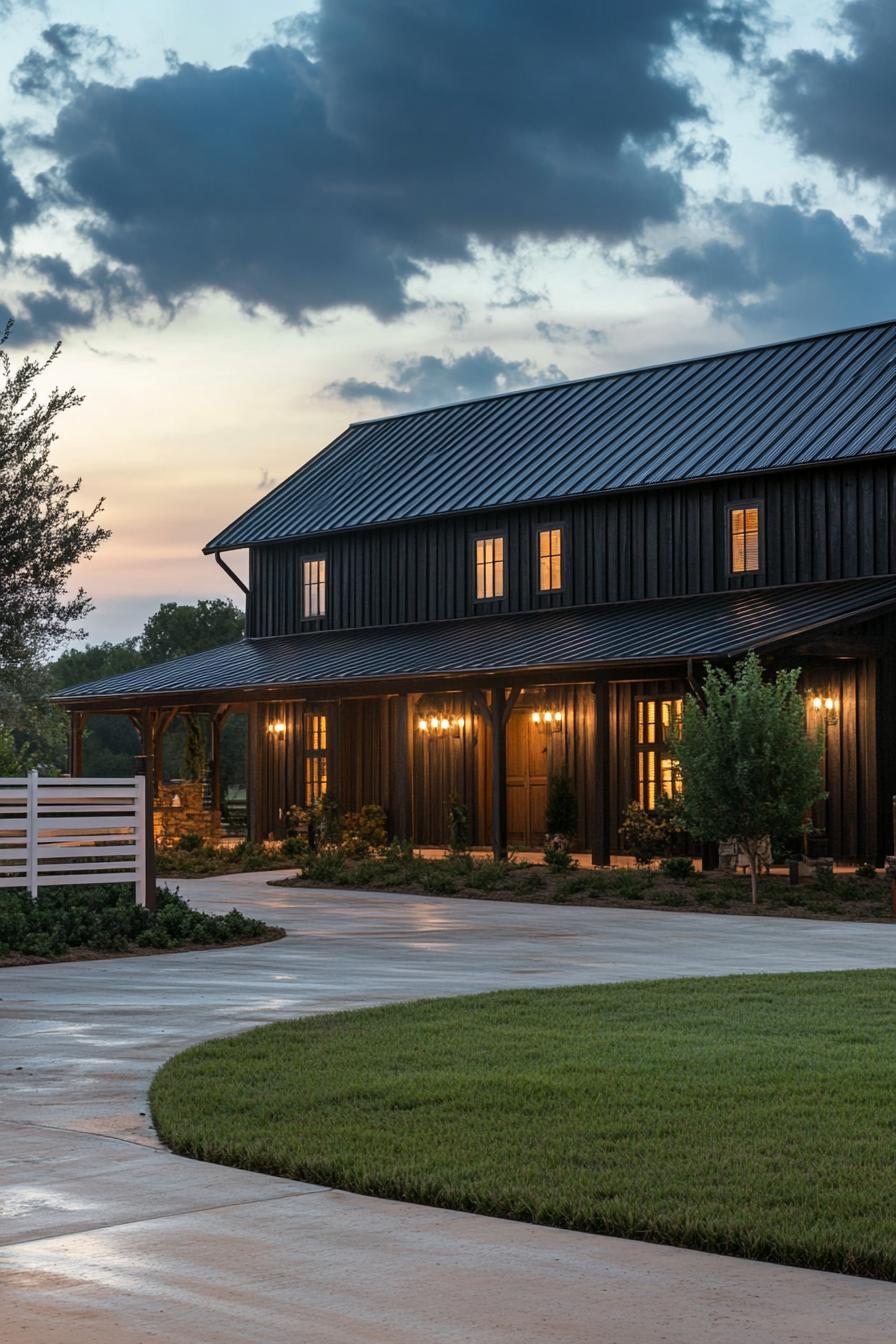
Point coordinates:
pixel 110 1237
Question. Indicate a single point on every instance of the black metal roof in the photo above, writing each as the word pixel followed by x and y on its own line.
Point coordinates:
pixel 818 399
pixel 660 629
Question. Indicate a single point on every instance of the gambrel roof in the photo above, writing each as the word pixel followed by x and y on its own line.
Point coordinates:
pixel 818 399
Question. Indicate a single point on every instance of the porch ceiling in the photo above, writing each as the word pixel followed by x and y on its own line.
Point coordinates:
pixel 588 638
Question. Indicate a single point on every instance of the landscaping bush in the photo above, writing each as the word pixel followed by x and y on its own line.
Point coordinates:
pixel 108 919
pixel 561 813
pixel 190 840
pixel 678 868
pixel 458 825
pixel 647 833
pixel 556 855
pixel 866 870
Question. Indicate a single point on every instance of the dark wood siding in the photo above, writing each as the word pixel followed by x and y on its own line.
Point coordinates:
pixel 825 523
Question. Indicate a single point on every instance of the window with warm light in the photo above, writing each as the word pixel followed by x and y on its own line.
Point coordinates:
pixel 314 587
pixel 658 723
pixel 489 561
pixel 743 523
pixel 550 559
pixel 315 730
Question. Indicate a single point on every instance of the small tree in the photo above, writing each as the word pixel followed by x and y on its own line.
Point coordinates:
pixel 561 812
pixel 749 768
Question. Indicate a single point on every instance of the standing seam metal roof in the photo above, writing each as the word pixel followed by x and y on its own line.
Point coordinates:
pixel 817 399
pixel 716 624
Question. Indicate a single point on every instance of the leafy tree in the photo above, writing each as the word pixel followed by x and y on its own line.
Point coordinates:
pixel 178 629
pixel 749 768
pixel 44 534
pixel 14 760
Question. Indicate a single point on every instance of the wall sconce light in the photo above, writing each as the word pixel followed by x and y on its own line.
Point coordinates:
pixel 277 728
pixel 441 723
pixel 827 705
pixel 547 720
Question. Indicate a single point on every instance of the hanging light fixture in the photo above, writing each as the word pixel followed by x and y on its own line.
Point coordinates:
pixel 277 728
pixel 440 721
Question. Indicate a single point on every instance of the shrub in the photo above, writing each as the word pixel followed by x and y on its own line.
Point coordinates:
pixel 190 840
pixel 561 813
pixel 866 870
pixel 363 831
pixel 646 834
pixel 328 867
pixel 295 847
pixel 556 856
pixel 679 868
pixel 108 919
pixel 458 825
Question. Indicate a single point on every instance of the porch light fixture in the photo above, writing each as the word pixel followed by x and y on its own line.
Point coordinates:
pixel 277 728
pixel 547 718
pixel 826 705
pixel 441 724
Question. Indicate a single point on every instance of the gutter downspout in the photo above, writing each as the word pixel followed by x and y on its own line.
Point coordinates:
pixel 227 570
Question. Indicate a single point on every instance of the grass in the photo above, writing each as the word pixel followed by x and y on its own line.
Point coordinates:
pixel 844 896
pixel 73 923
pixel 752 1116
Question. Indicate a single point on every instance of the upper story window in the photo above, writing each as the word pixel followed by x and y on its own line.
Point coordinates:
pixel 489 558
pixel 743 526
pixel 314 587
pixel 550 559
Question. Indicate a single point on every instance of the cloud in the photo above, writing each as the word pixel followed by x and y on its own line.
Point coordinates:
pixel 120 356
pixel 9 7
pixel 73 300
pixel 787 268
pixel 74 53
pixel 842 107
pixel 16 206
pixel 563 333
pixel 383 138
pixel 429 380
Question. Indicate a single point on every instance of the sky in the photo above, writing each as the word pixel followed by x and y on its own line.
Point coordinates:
pixel 250 225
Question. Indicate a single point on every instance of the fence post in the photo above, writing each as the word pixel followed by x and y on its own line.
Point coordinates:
pixel 143 769
pixel 31 824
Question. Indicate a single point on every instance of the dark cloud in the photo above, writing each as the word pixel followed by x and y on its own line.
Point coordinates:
pixel 73 54
pixel 73 300
pixel 843 107
pixel 429 380
pixel 16 206
pixel 780 267
pixel 563 333
pixel 333 173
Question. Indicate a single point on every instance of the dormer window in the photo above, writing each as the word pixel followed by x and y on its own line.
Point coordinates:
pixel 489 565
pixel 743 529
pixel 550 559
pixel 314 587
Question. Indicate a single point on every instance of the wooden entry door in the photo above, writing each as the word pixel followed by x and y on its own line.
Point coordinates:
pixel 528 763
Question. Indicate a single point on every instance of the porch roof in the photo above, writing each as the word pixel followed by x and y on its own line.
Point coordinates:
pixel 653 631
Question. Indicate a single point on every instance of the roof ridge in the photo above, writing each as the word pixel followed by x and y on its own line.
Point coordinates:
pixel 623 373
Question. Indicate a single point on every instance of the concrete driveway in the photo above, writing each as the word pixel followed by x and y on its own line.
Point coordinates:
pixel 109 1238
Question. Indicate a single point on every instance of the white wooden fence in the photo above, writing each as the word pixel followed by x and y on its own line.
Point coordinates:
pixel 71 831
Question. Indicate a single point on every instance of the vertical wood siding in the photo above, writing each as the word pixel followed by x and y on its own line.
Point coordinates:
pixel 826 523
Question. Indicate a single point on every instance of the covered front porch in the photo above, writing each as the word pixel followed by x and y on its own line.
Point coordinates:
pixel 485 711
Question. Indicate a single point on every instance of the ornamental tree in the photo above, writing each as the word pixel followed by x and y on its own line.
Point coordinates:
pixel 43 535
pixel 749 767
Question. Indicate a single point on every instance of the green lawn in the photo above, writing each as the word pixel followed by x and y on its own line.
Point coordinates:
pixel 751 1115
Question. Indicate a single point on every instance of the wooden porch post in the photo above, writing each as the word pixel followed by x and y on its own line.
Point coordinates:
pixel 497 714
pixel 253 773
pixel 600 844
pixel 144 766
pixel 76 720
pixel 401 757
